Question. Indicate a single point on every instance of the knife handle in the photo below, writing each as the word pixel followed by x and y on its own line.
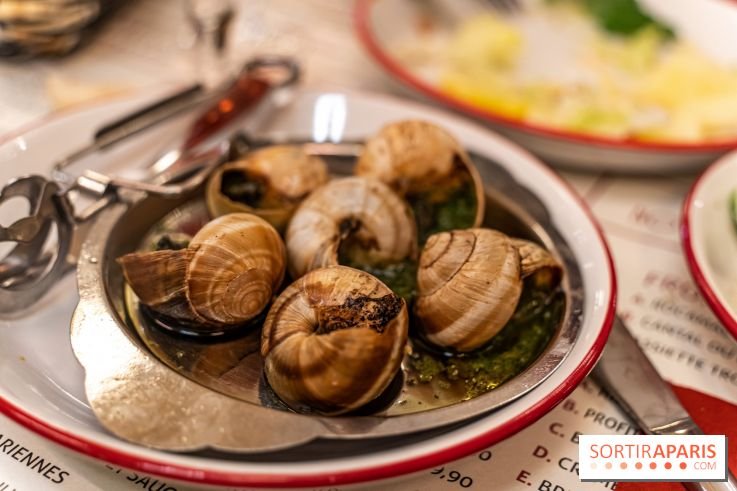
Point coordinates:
pixel 729 485
pixel 689 427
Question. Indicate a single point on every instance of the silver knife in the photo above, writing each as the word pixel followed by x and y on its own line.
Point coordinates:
pixel 628 376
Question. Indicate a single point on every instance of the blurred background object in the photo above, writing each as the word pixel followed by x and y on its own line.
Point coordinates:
pixel 150 45
pixel 211 20
pixel 31 28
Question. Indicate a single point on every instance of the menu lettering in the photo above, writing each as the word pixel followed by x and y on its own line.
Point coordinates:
pixel 142 481
pixel 5 486
pixel 35 462
pixel 658 300
pixel 610 422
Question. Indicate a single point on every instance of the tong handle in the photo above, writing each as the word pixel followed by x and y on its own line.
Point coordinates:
pixel 32 268
pixel 148 116
pixel 257 78
pixel 132 124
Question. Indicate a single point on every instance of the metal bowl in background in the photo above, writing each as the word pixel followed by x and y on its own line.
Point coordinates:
pixel 711 25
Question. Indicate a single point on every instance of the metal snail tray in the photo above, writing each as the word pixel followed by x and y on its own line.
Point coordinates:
pixel 175 393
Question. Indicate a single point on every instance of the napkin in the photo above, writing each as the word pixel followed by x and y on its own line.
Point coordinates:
pixel 714 416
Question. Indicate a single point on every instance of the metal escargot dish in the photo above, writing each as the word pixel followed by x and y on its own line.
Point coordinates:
pixel 392 290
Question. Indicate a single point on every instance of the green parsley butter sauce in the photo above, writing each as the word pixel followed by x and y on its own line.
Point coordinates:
pixel 401 277
pixel 467 375
pixel 438 214
pixel 440 377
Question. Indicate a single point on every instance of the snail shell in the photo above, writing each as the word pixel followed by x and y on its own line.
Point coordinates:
pixel 334 340
pixel 415 157
pixel 356 209
pixel 469 283
pixel 226 276
pixel 534 258
pixel 269 183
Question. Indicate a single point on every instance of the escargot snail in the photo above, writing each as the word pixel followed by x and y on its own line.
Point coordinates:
pixel 425 164
pixel 469 283
pixel 333 340
pixel 226 276
pixel 269 183
pixel 354 213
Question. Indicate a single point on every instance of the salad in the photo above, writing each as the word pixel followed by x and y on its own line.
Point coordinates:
pixel 599 67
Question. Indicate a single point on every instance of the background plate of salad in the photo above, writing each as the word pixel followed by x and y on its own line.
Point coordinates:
pixel 624 85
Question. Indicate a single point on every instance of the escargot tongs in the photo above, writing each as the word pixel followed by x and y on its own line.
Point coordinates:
pixel 46 242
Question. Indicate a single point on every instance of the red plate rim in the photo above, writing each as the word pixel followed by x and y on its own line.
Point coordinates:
pixel 722 313
pixel 362 25
pixel 186 473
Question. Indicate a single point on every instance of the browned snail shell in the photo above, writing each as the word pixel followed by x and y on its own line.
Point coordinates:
pixel 355 213
pixel 469 283
pixel 270 183
pixel 226 276
pixel 334 340
pixel 422 161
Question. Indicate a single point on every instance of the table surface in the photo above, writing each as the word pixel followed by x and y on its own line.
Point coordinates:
pixel 148 43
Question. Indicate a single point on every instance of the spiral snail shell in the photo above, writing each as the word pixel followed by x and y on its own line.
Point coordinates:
pixel 226 276
pixel 470 282
pixel 334 340
pixel 423 161
pixel 349 211
pixel 269 183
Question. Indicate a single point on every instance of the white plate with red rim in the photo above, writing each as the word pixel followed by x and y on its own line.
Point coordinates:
pixel 710 240
pixel 41 383
pixel 711 25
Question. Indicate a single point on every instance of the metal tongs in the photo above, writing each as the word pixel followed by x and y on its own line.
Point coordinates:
pixel 47 241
